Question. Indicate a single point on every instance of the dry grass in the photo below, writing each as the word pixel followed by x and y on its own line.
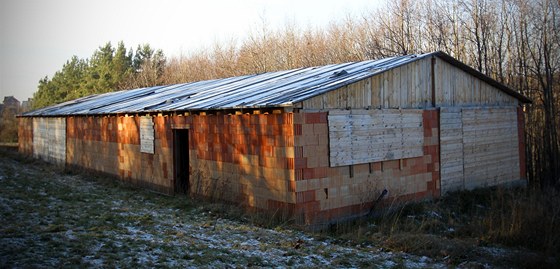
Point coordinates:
pixel 503 227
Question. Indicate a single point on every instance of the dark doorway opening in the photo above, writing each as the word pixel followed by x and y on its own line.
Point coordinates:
pixel 181 160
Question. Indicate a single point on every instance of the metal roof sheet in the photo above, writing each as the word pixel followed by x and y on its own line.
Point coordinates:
pixel 273 89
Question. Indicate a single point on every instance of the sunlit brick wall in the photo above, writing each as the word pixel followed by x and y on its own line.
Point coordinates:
pixel 111 145
pixel 245 158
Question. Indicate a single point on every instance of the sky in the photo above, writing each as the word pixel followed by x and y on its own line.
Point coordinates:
pixel 37 37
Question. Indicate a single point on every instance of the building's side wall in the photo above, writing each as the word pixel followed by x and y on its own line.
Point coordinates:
pixel 111 145
pixel 92 143
pixel 25 136
pixel 248 158
pixel 245 158
pixel 49 139
pixel 326 194
pixel 479 147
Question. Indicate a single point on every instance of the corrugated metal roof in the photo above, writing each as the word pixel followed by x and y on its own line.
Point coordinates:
pixel 273 89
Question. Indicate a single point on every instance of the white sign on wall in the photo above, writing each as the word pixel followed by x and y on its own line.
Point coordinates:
pixel 146 135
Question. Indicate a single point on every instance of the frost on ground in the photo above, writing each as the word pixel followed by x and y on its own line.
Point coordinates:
pixel 55 219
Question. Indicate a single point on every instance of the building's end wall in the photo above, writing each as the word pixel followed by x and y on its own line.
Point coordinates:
pixel 25 136
pixel 454 87
pixel 326 194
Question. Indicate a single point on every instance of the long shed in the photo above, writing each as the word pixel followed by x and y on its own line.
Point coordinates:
pixel 318 144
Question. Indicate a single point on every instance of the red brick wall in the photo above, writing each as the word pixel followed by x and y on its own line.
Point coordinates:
pixel 25 136
pixel 244 158
pixel 112 145
pixel 91 146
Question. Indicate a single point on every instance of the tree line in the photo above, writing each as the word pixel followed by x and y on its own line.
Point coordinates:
pixel 516 42
pixel 108 69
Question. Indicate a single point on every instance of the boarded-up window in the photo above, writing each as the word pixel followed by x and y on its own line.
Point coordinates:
pixel 479 147
pixel 146 135
pixel 363 136
pixel 49 139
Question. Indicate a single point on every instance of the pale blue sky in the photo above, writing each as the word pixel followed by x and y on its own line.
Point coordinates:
pixel 37 37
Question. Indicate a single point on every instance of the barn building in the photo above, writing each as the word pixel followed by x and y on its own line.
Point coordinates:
pixel 318 144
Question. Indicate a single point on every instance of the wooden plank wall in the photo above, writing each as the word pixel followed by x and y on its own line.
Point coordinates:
pixel 49 139
pixel 451 147
pixel 408 86
pixel 362 136
pixel 479 147
pixel 454 87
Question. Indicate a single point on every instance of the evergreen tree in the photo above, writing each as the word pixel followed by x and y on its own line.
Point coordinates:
pixel 100 77
pixel 149 66
pixel 108 69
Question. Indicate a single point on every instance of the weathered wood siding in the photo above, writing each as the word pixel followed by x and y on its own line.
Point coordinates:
pixel 362 136
pixel 451 146
pixel 410 86
pixel 49 139
pixel 455 87
pixel 479 147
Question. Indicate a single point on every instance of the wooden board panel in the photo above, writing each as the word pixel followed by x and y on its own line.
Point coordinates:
pixel 479 147
pixel 363 136
pixel 451 147
pixel 49 139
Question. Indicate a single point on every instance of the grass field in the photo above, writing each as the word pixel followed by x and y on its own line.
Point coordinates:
pixel 51 218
